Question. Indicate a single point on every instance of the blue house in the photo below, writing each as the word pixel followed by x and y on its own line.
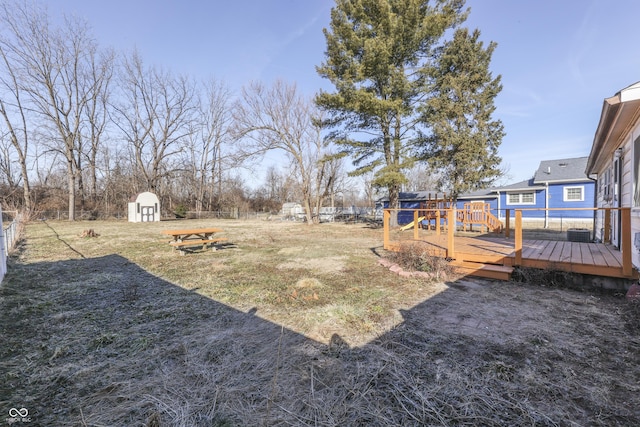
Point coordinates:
pixel 548 198
pixel 410 200
pixel 556 187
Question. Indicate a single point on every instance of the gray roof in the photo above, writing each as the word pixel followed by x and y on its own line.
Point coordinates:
pixel 479 194
pixel 562 170
pixel 522 185
pixel 406 196
pixel 420 195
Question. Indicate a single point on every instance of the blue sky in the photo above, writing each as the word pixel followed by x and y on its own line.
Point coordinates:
pixel 558 58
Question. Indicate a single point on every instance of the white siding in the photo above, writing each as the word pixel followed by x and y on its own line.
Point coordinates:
pixel 626 196
pixel 3 251
pixel 628 189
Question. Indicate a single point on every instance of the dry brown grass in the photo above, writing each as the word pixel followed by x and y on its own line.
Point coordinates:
pixel 296 325
pixel 415 256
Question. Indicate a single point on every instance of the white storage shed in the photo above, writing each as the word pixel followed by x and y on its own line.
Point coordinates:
pixel 144 207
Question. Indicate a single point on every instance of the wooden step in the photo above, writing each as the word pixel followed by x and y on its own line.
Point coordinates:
pixel 485 258
pixel 490 271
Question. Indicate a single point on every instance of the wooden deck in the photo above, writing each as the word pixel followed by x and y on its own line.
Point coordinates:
pixel 495 257
pixel 586 258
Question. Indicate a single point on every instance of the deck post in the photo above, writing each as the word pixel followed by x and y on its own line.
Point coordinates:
pixel 386 218
pixel 518 237
pixel 451 226
pixel 607 227
pixel 507 225
pixel 627 266
pixel 415 225
pixel 465 213
pixel 438 219
pixel 485 218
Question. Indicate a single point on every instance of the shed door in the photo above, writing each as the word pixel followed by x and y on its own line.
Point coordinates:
pixel 147 214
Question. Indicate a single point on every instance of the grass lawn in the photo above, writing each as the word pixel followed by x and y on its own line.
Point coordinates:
pixel 295 325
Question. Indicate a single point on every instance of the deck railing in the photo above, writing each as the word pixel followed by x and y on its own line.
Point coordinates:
pixel 449 216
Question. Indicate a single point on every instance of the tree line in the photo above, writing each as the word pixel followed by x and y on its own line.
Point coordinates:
pixel 86 127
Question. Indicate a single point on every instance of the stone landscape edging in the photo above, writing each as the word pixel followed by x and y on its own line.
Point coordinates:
pixel 392 266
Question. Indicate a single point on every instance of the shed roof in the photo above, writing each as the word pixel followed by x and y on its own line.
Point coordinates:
pixel 144 194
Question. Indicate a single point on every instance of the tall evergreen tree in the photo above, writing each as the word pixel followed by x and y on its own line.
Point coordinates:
pixel 464 139
pixel 379 56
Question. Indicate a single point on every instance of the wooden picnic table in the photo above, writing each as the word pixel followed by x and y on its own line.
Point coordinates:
pixel 200 233
pixel 194 237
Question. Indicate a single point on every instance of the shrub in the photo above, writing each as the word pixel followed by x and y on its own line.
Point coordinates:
pixel 180 211
pixel 416 257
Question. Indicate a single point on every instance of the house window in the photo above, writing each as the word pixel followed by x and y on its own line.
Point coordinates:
pixel 528 198
pixel 574 194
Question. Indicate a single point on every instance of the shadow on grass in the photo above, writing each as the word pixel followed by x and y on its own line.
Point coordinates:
pixel 103 342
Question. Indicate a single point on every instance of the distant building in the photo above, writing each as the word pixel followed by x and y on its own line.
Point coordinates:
pixel 409 200
pixel 292 211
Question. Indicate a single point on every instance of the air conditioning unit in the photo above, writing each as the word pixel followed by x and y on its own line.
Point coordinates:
pixel 579 235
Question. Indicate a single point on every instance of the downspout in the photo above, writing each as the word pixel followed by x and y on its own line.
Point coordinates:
pixel 546 204
pixel 595 204
pixel 499 214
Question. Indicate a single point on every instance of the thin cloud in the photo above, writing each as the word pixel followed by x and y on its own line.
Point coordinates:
pixel 584 39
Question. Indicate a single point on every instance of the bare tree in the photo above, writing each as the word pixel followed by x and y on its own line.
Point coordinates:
pixel 53 64
pixel 6 161
pixel 14 117
pixel 116 171
pixel 277 186
pixel 421 177
pixel 156 117
pixel 97 113
pixel 278 118
pixel 212 132
pixel 328 179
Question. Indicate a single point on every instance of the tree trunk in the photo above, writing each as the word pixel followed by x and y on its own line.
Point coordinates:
pixel 309 211
pixel 26 188
pixel 394 203
pixel 71 187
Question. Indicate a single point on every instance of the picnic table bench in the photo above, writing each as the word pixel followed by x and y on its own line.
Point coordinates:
pixel 194 237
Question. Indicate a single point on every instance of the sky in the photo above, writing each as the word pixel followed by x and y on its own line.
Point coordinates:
pixel 558 59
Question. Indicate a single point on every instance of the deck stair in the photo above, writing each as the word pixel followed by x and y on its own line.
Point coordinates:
pixel 473 213
pixel 478 213
pixel 490 271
